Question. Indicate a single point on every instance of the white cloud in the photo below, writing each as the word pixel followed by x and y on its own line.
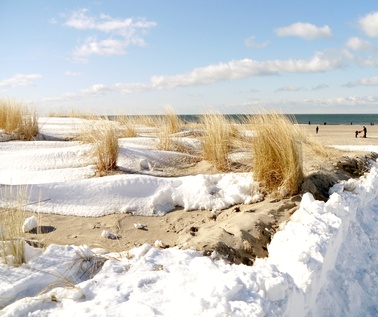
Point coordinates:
pixel 369 24
pixel 320 87
pixel 367 81
pixel 69 73
pixel 357 44
pixel 111 36
pixel 347 101
pixel 68 96
pixel 290 88
pixel 20 80
pixel 105 23
pixel 306 31
pixel 96 89
pixel 362 60
pixel 232 70
pixel 250 42
pixel 92 46
pixel 239 69
pixel 132 88
pixel 371 61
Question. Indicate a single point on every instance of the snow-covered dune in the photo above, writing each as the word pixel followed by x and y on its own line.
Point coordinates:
pixel 323 262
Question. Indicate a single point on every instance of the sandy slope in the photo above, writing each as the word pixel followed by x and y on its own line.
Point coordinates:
pixel 246 229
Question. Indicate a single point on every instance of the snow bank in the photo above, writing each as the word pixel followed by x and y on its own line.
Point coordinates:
pixel 140 194
pixel 40 162
pixel 323 263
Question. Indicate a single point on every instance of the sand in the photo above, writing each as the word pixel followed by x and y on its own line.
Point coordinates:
pixel 240 233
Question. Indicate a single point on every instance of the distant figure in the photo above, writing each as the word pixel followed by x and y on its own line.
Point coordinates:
pixel 365 131
pixel 351 123
pixel 309 122
pixel 356 133
pixel 317 129
pixel 325 123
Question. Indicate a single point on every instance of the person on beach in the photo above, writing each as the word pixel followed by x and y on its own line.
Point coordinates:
pixel 356 133
pixel 365 131
pixel 317 129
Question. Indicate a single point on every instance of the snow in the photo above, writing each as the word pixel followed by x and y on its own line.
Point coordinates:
pixel 29 224
pixel 323 262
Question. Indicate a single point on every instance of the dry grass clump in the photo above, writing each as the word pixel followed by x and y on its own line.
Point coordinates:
pixel 70 113
pixel 312 147
pixel 277 156
pixel 167 125
pixel 17 119
pixel 217 140
pixel 103 136
pixel 12 237
pixel 172 120
pixel 127 127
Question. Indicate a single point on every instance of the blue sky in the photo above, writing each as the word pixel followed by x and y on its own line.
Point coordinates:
pixel 138 57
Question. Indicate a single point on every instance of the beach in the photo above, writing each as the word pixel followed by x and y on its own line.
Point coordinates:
pixel 343 134
pixel 164 221
pixel 198 228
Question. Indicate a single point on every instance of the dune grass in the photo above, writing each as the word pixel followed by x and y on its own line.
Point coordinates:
pixel 12 216
pixel 102 134
pixel 127 127
pixel 167 125
pixel 17 119
pixel 217 140
pixel 277 153
pixel 313 147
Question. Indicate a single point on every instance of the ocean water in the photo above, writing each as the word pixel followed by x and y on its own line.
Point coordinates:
pixel 318 119
pixel 358 119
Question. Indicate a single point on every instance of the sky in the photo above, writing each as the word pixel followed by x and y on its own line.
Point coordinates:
pixel 139 57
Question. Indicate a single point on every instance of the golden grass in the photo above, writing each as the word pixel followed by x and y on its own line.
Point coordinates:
pixel 70 113
pixel 172 120
pixel 313 147
pixel 127 127
pixel 17 119
pixel 277 154
pixel 217 140
pixel 103 136
pixel 167 125
pixel 12 216
pixel 150 121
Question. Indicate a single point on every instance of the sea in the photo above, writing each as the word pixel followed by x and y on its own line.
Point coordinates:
pixel 318 119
